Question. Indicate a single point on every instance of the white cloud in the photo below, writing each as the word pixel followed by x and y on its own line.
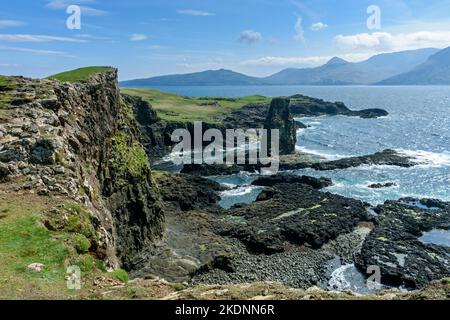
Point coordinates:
pixel 10 23
pixel 387 42
pixel 288 61
pixel 299 32
pixel 91 37
pixel 318 26
pixel 138 37
pixel 89 11
pixel 308 61
pixel 197 13
pixel 250 36
pixel 36 51
pixel 35 38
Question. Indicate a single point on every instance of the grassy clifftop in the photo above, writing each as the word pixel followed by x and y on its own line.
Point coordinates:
pixel 172 107
pixel 78 75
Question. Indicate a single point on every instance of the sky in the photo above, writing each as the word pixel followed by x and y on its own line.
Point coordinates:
pixel 145 38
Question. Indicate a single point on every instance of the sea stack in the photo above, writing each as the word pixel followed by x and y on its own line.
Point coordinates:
pixel 280 117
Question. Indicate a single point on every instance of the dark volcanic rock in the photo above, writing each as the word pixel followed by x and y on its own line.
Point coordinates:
pixel 292 213
pixel 206 170
pixel 316 183
pixel 186 192
pixel 369 113
pixel 394 244
pixel 43 152
pixel 251 116
pixel 279 117
pixel 310 107
pixel 386 157
pixel 382 185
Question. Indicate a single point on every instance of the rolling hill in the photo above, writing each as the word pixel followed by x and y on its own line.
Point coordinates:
pixel 220 77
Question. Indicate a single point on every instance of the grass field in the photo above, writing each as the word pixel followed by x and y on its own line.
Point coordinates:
pixel 78 75
pixel 172 107
pixel 25 240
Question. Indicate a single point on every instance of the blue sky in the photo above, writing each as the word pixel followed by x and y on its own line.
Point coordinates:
pixel 256 37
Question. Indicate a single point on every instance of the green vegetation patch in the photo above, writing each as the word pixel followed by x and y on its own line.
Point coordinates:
pixel 31 233
pixel 129 156
pixel 121 275
pixel 172 107
pixel 6 84
pixel 79 75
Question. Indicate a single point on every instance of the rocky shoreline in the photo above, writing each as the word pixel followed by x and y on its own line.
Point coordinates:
pixel 293 232
pixel 85 149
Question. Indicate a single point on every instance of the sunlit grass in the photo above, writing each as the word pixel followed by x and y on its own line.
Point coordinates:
pixel 172 107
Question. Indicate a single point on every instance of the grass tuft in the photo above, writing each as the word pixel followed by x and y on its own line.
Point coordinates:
pixel 78 75
pixel 120 275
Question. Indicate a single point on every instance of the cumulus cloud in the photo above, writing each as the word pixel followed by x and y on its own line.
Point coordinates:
pixel 318 26
pixel 196 13
pixel 138 37
pixel 387 42
pixel 250 36
pixel 87 10
pixel 10 23
pixel 299 32
pixel 35 38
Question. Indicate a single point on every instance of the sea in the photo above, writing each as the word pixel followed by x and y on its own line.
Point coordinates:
pixel 418 126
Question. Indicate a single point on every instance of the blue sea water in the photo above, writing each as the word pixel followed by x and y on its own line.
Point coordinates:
pixel 418 125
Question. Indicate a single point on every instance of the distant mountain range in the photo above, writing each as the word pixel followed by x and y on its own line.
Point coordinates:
pixel 434 71
pixel 423 66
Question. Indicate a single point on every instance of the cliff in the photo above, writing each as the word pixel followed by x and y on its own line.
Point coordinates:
pixel 79 142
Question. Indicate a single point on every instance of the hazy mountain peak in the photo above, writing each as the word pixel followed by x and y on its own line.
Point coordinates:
pixel 336 61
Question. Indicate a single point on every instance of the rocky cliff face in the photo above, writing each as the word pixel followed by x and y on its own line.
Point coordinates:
pixel 81 141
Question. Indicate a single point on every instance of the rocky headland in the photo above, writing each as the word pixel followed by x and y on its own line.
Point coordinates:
pixel 75 169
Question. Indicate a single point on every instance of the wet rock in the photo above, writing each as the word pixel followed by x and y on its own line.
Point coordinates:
pixel 316 183
pixel 295 213
pixel 310 107
pixel 185 192
pixel 394 244
pixel 382 185
pixel 207 170
pixel 386 157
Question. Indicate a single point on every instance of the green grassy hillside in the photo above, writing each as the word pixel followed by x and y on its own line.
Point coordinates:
pixel 78 74
pixel 172 107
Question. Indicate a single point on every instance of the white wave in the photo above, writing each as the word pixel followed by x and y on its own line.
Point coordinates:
pixel 427 158
pixel 229 185
pixel 326 156
pixel 240 191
